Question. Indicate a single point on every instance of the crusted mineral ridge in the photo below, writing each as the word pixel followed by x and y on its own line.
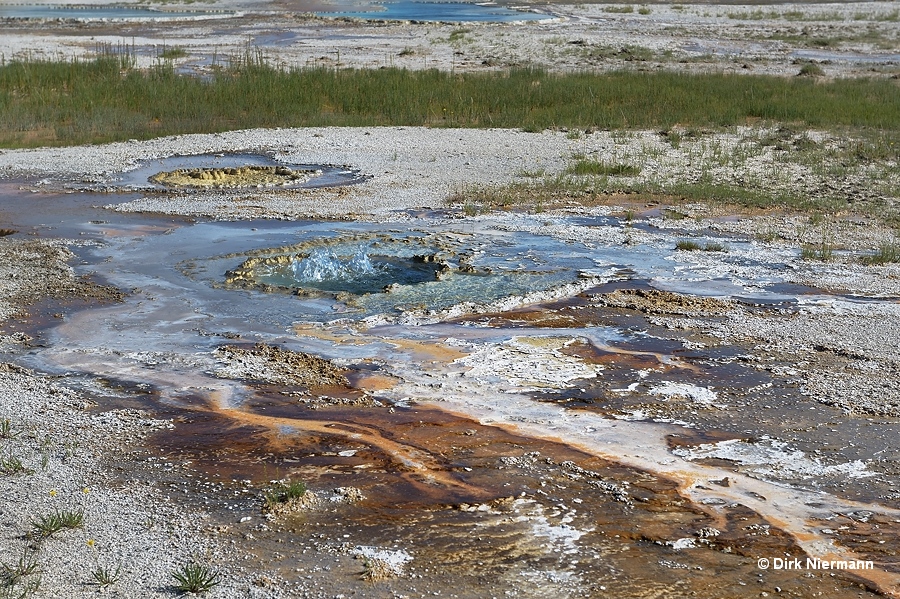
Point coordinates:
pixel 34 270
pixel 652 301
pixel 280 366
pixel 232 177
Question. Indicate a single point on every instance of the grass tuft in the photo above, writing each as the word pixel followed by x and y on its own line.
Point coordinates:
pixel 811 70
pixel 376 569
pixel 6 430
pixel 888 252
pixel 173 52
pixel 13 465
pixel 627 9
pixel 48 525
pixel 715 246
pixel 586 166
pixel 284 492
pixel 195 578
pixel 45 102
pixel 686 245
pixel 817 252
pixel 27 565
pixel 105 576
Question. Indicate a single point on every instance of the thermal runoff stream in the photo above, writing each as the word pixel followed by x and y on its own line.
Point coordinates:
pixel 566 387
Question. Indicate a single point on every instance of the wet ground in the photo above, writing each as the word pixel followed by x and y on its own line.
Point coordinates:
pixel 525 393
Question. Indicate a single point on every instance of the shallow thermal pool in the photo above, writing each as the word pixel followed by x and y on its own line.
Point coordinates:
pixel 496 321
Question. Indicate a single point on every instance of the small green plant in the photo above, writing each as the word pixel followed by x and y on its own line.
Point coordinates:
pixel 26 565
pixel 821 252
pixel 644 10
pixel 458 34
pixel 6 429
pixel 674 138
pixel 715 246
pixel 811 70
pixel 195 578
pixel 19 588
pixel 46 445
pixel 888 251
pixel 767 236
pixel 47 525
pixel 105 576
pixel 619 9
pixel 587 166
pixel 173 52
pixel 284 492
pixel 686 245
pixel 377 569
pixel 13 465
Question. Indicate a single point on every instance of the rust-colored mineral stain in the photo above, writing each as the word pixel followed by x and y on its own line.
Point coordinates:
pixel 423 351
pixel 372 381
pixel 318 331
pixel 752 493
pixel 408 457
pixel 618 358
pixel 427 351
pixel 691 437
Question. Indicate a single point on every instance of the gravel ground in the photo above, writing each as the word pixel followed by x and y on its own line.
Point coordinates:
pixel 845 351
pixel 56 451
pixel 417 167
pixel 411 167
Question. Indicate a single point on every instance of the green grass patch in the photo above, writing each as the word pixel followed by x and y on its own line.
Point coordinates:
pixel 172 52
pixel 888 252
pixel 12 465
pixel 106 576
pixel 195 578
pixel 817 252
pixel 715 246
pixel 811 70
pixel 7 431
pixel 458 34
pixel 106 99
pixel 50 524
pixel 284 492
pixel 587 166
pixel 686 245
pixel 21 578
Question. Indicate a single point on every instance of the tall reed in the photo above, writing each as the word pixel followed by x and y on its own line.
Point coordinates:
pixel 105 99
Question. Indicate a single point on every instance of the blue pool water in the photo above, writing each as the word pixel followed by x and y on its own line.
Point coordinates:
pixel 410 10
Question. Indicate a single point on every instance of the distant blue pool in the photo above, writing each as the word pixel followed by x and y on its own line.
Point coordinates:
pixel 92 13
pixel 410 10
